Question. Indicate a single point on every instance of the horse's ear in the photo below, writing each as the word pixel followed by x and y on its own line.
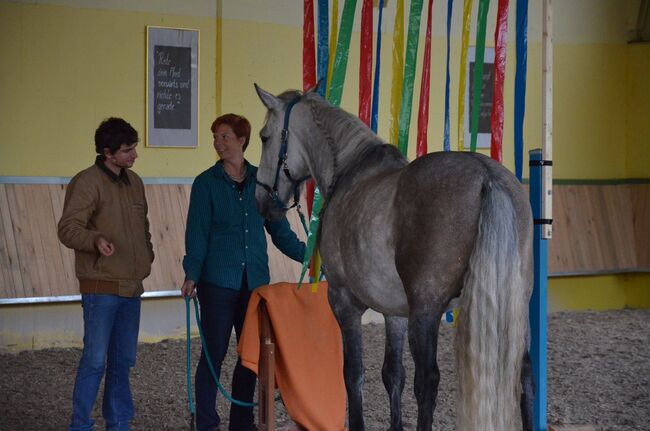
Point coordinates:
pixel 270 101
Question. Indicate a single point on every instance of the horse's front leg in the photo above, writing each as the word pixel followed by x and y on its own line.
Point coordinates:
pixel 423 339
pixel 348 312
pixel 392 372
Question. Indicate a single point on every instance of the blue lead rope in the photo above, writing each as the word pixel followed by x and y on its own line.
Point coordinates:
pixel 207 357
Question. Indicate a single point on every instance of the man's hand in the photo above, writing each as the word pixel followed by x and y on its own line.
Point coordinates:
pixel 104 247
pixel 188 289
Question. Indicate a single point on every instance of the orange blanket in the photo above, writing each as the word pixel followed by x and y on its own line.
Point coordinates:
pixel 309 352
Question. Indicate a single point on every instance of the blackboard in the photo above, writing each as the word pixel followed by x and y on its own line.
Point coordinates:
pixel 172 87
pixel 487 87
pixel 484 133
pixel 172 83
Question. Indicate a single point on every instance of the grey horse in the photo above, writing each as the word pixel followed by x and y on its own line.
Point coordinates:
pixel 405 239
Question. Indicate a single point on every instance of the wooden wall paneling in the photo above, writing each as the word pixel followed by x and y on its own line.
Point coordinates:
pixel 155 211
pixel 174 239
pixel 618 227
pixel 49 263
pixel 559 252
pixel 640 196
pixel 57 196
pixel 11 276
pixel 24 236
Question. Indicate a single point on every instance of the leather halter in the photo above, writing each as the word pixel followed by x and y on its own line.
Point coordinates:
pixel 282 165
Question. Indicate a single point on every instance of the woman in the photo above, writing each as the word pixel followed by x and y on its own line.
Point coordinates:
pixel 225 260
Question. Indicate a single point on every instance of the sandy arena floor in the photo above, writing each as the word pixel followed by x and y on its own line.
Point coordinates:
pixel 599 375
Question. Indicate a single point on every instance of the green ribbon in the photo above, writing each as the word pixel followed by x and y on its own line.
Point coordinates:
pixel 314 221
pixel 479 57
pixel 409 75
pixel 341 56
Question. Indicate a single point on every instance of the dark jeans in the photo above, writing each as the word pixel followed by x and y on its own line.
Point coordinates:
pixel 221 310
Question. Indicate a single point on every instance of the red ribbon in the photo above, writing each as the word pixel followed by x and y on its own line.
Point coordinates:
pixel 308 48
pixel 423 111
pixel 365 62
pixel 496 118
pixel 308 72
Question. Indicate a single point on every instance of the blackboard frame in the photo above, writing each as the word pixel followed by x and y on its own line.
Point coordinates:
pixel 170 123
pixel 483 140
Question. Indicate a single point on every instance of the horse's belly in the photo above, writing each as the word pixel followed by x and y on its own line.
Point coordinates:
pixel 370 275
pixel 382 293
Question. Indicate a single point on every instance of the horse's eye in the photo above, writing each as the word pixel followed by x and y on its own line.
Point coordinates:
pixel 264 139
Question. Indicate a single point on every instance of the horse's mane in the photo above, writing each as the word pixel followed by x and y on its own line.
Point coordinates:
pixel 346 130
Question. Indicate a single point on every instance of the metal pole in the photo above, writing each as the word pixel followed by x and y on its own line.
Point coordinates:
pixel 538 307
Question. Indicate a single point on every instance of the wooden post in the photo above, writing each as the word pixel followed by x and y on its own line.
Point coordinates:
pixel 266 377
pixel 547 118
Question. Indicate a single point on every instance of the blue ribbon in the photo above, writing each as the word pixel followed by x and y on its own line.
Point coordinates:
pixel 450 5
pixel 520 84
pixel 375 89
pixel 323 45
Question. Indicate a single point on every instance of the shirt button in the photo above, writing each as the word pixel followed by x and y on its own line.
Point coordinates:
pixel 246 214
pixel 246 231
pixel 242 264
pixel 246 246
pixel 239 198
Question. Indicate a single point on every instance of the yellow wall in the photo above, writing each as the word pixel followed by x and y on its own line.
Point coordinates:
pixel 68 64
pixel 67 68
pixel 638 109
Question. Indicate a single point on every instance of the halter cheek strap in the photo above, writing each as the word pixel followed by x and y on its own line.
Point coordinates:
pixel 282 165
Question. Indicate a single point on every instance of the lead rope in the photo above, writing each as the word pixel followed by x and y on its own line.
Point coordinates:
pixel 208 360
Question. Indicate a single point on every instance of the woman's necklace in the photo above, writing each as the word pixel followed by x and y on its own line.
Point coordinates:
pixel 238 178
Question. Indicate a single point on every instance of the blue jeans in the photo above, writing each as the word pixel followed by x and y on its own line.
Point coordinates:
pixel 221 310
pixel 111 325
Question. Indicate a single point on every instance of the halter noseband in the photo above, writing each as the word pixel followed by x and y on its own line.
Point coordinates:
pixel 282 164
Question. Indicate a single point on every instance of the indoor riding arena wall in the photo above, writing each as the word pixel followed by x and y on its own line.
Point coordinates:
pixel 69 64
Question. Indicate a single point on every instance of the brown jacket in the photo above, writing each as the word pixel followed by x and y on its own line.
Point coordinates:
pixel 98 205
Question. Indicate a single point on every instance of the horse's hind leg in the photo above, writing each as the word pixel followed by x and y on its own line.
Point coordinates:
pixel 392 372
pixel 423 340
pixel 348 313
pixel 527 393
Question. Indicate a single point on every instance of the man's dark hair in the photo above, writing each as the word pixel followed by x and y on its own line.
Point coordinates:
pixel 112 133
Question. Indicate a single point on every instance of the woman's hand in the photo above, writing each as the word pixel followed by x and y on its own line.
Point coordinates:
pixel 188 289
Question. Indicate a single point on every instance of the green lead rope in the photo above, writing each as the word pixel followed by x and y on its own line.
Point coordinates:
pixel 207 357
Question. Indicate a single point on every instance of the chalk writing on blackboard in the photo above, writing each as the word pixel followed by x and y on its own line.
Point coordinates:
pixel 487 87
pixel 172 87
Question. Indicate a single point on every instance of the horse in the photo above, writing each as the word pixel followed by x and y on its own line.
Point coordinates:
pixel 405 239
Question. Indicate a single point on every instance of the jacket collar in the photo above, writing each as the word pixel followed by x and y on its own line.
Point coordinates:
pixel 121 178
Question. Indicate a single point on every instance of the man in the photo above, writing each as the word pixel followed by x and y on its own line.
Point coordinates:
pixel 105 221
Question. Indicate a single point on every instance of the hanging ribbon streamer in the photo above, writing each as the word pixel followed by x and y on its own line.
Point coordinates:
pixel 483 8
pixel 365 62
pixel 311 237
pixel 467 13
pixel 333 36
pixel 308 51
pixel 398 72
pixel 375 90
pixel 423 112
pixel 496 117
pixel 446 146
pixel 342 49
pixel 323 46
pixel 410 60
pixel 520 83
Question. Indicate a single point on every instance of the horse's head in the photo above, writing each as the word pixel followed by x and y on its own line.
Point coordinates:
pixel 283 167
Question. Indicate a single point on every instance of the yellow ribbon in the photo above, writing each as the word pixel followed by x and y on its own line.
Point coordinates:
pixel 467 11
pixel 398 72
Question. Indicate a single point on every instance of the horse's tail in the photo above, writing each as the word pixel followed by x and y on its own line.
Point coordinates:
pixel 493 320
